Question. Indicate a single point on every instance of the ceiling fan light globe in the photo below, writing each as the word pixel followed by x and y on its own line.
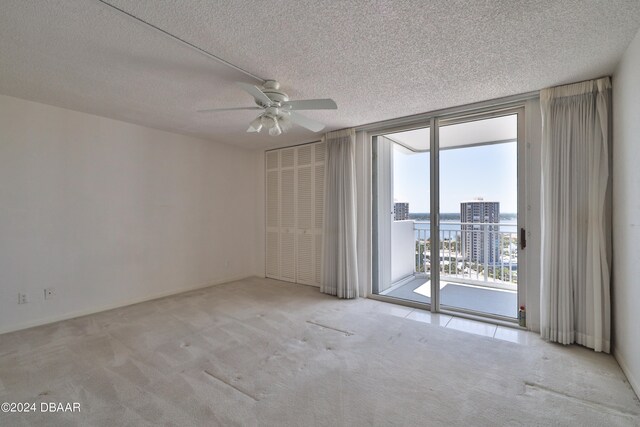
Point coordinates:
pixel 275 130
pixel 285 123
pixel 255 125
pixel 268 121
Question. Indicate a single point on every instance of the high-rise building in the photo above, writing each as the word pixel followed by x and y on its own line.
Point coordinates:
pixel 400 211
pixel 480 243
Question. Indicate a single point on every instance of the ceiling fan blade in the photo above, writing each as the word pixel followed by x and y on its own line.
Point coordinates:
pixel 256 93
pixel 311 104
pixel 213 110
pixel 305 122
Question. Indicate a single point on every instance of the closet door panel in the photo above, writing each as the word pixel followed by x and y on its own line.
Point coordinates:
pixel 287 253
pixel 306 267
pixel 272 213
pixel 318 207
pixel 304 196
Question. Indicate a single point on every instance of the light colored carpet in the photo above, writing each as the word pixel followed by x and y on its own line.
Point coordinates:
pixel 262 352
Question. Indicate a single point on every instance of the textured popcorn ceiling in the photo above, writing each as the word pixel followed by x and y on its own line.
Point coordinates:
pixel 377 59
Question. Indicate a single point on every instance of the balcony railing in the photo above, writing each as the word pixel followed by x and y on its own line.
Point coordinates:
pixel 477 253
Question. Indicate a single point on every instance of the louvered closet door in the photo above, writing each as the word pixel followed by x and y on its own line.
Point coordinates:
pixel 294 213
pixel 272 168
pixel 319 163
pixel 304 196
pixel 287 207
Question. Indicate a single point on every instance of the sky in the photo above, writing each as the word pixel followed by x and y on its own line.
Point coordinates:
pixel 487 171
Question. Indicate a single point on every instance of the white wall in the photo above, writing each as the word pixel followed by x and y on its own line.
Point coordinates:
pixel 110 213
pixel 403 250
pixel 626 213
pixel 384 210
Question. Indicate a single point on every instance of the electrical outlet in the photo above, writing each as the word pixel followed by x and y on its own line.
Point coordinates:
pixel 22 299
pixel 49 293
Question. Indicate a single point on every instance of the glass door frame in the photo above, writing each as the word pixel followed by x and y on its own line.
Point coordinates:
pixel 434 122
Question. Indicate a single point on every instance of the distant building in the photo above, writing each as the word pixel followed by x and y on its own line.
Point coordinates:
pixel 400 211
pixel 480 243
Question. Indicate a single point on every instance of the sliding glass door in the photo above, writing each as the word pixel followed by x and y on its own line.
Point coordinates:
pixel 465 257
pixel 478 215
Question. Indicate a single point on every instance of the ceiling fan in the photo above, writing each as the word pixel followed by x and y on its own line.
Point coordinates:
pixel 279 113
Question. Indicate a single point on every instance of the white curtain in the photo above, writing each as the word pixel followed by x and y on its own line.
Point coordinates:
pixel 575 276
pixel 339 261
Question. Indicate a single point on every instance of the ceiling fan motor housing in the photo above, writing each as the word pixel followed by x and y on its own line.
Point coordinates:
pixel 271 88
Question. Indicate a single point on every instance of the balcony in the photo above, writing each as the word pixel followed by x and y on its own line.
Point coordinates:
pixel 478 265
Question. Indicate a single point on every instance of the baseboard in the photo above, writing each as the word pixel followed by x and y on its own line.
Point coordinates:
pixel 633 381
pixel 120 304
